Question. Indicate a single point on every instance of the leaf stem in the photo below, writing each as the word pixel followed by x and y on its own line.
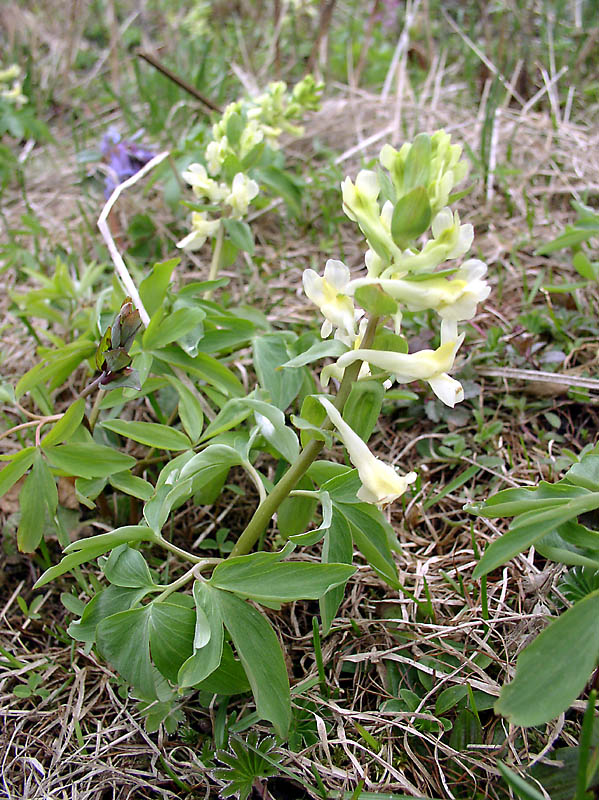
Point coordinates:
pixel 95 412
pixel 166 545
pixel 30 424
pixel 194 572
pixel 288 482
pixel 256 480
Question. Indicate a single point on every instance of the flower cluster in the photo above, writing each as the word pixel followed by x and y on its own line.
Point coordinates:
pixel 237 145
pixel 395 212
pixel 11 88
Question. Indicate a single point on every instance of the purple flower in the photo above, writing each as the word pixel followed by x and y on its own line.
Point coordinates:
pixel 124 158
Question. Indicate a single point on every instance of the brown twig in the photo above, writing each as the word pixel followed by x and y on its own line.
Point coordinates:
pixel 179 81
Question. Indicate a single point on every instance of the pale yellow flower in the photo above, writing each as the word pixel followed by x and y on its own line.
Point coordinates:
pixel 201 229
pixel 328 293
pixel 381 484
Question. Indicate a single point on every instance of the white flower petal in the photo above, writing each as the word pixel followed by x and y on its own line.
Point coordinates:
pixel 337 274
pixel 447 389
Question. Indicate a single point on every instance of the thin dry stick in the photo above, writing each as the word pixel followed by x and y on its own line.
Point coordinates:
pixel 179 81
pixel 117 259
pixel 530 103
pixel 574 381
pixel 324 23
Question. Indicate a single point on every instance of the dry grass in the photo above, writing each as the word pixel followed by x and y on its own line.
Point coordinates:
pixel 85 741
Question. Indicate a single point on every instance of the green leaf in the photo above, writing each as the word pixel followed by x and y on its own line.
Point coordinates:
pixel 418 163
pixel 228 678
pixel 510 502
pixel 128 568
pixel 282 185
pixel 370 535
pixel 38 495
pixel 119 397
pixel 208 637
pixel 215 456
pixel 124 641
pixel 204 366
pixel 570 238
pixel 166 497
pixel 106 541
pixel 523 789
pixel 172 629
pixel 530 527
pixel 272 581
pixel 231 414
pixel 585 473
pixel 68 563
pixel 271 422
pixel 328 348
pixel 88 459
pixel 571 544
pixel 152 289
pixel 132 484
pixel 309 423
pixel 363 407
pixel 584 266
pixel 105 344
pixel 166 328
pixel 57 367
pixel 337 548
pixel 240 234
pixel 261 656
pixel 296 512
pixel 411 216
pixel 66 426
pixel 553 670
pixel 373 299
pixel 190 409
pixel 450 697
pixel 151 433
pixel 163 628
pixel 270 352
pixel 107 602
pixel 16 468
pixel 344 486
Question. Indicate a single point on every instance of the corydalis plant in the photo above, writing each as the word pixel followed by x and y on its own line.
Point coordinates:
pixel 394 211
pixel 207 627
pixel 224 183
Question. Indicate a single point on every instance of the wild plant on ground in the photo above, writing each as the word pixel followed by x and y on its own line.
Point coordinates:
pixel 205 626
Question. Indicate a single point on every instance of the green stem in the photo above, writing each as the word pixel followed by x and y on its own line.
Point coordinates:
pixel 256 480
pixel 94 413
pixel 64 540
pixel 183 553
pixel 215 264
pixel 185 578
pixel 202 565
pixel 90 387
pixel 288 482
